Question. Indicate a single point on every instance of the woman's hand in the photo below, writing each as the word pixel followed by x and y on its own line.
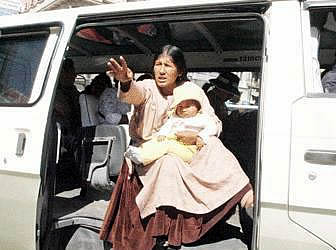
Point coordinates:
pixel 199 143
pixel 120 71
pixel 187 137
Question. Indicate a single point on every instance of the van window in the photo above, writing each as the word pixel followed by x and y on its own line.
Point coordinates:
pixel 323 45
pixel 20 56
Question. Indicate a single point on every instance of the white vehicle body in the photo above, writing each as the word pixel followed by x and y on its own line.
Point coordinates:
pixel 296 144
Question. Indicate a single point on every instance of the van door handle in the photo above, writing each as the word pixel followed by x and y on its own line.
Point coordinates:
pixel 321 157
pixel 21 144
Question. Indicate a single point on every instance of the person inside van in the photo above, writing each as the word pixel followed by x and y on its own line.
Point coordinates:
pixel 219 90
pixel 67 110
pixel 156 204
pixel 329 79
pixel 111 110
pixel 320 27
pixel 95 88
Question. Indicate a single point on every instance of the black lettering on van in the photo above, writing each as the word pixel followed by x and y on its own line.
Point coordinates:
pixel 230 59
pixel 250 58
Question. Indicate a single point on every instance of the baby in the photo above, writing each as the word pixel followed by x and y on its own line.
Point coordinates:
pixel 186 115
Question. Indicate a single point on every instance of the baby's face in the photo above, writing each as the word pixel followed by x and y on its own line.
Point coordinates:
pixel 187 108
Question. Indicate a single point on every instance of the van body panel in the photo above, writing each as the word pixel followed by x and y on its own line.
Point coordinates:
pixel 313 167
pixel 36 19
pixel 275 156
pixel 23 125
pixel 187 5
pixel 278 232
pixel 18 207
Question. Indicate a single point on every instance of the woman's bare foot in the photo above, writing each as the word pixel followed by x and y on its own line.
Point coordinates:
pixel 247 200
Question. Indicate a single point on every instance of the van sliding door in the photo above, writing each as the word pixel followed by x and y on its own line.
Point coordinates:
pixel 31 51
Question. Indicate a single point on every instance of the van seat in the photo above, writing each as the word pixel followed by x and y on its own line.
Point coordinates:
pixel 102 154
pixel 89 110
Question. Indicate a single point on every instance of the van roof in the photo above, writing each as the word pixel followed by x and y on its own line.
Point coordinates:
pixel 152 4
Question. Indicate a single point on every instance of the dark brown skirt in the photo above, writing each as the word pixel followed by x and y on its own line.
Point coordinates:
pixel 125 229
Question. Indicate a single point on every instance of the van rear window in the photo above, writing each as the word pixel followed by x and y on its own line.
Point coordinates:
pixel 20 56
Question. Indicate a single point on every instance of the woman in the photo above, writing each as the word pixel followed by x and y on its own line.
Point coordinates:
pixel 169 199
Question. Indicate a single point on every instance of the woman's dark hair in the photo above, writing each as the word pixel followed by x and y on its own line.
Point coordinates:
pixel 178 58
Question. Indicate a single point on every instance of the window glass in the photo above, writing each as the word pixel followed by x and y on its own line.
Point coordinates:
pixel 323 45
pixel 19 60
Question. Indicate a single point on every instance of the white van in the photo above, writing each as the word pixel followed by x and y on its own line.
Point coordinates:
pixel 47 202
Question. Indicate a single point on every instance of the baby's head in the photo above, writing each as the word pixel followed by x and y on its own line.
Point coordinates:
pixel 187 108
pixel 187 100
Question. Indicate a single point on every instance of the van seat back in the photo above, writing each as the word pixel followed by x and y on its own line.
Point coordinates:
pixel 89 110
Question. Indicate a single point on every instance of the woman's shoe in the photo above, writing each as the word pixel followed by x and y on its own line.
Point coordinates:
pixel 161 244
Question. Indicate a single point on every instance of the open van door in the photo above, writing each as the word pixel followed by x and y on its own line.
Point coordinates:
pixel 31 52
pixel 312 203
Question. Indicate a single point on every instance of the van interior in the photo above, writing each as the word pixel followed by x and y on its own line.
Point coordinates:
pixel 212 43
pixel 75 190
